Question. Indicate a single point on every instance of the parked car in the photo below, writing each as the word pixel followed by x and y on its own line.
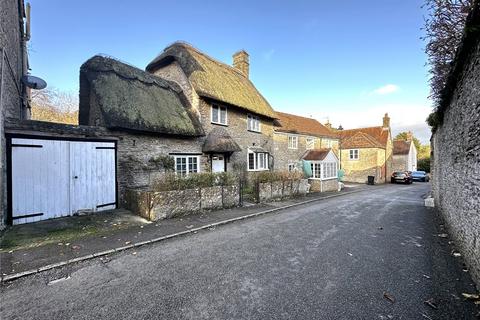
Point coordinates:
pixel 401 176
pixel 420 176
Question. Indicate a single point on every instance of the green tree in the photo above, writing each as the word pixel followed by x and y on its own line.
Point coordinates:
pixel 404 135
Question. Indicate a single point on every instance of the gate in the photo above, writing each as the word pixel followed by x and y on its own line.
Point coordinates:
pixel 55 178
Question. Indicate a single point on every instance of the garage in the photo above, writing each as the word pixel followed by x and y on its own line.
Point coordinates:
pixel 51 178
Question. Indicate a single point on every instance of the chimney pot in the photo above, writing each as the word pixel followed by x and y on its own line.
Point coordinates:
pixel 241 62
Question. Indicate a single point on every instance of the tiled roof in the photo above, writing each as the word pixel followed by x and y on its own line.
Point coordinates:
pixel 301 125
pixel 401 146
pixel 316 155
pixel 371 137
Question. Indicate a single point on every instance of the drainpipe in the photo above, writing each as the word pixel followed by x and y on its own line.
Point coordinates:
pixel 1 79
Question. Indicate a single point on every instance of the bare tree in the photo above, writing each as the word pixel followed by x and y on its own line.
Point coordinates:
pixel 443 34
pixel 53 105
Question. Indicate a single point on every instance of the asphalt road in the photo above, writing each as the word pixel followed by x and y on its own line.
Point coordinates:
pixel 333 259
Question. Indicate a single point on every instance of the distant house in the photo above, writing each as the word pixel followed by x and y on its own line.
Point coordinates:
pixel 299 138
pixel 236 118
pixel 367 152
pixel 404 154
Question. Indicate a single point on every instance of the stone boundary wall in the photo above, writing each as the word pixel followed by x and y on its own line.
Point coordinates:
pixel 317 185
pixel 456 163
pixel 282 189
pixel 158 205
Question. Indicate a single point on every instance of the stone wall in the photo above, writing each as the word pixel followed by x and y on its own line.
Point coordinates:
pixel 277 190
pixel 370 163
pixel 283 155
pixel 236 118
pixel 456 154
pixel 317 185
pixel 169 204
pixel 400 162
pixel 11 89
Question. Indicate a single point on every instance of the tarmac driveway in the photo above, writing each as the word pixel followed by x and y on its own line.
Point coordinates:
pixel 369 255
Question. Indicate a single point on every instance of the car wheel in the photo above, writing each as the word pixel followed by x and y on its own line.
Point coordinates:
pixel 392 180
pixel 424 180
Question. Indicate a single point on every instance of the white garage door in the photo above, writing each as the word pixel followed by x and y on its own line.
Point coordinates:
pixel 55 178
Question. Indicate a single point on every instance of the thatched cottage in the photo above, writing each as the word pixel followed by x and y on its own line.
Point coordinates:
pixel 203 114
pixel 237 119
pixel 367 152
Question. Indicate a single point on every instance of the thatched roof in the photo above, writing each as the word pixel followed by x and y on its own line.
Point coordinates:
pixel 218 140
pixel 291 123
pixel 132 99
pixel 213 79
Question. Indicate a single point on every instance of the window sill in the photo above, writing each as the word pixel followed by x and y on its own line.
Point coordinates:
pixel 323 179
pixel 219 124
pixel 256 170
pixel 254 131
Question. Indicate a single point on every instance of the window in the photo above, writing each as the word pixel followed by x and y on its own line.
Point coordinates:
pixel 324 170
pixel 219 114
pixel 185 165
pixel 328 143
pixel 353 154
pixel 257 161
pixel 310 143
pixel 292 142
pixel 253 123
pixel 292 167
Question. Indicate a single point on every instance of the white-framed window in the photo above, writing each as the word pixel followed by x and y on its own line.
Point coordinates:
pixel 219 115
pixel 292 142
pixel 257 161
pixel 292 166
pixel 324 170
pixel 253 123
pixel 186 164
pixel 328 143
pixel 310 143
pixel 353 154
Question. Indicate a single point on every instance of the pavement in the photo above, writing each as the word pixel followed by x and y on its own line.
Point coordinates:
pixel 30 248
pixel 366 255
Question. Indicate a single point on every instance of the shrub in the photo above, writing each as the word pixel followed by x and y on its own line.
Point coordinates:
pixel 172 181
pixel 272 176
pixel 423 164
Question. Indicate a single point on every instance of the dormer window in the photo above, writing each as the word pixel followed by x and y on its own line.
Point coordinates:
pixel 219 115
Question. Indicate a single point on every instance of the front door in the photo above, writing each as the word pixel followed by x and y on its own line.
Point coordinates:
pixel 218 163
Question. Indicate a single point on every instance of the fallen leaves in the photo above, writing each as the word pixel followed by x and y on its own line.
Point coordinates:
pixel 442 235
pixel 389 297
pixel 431 303
pixel 472 296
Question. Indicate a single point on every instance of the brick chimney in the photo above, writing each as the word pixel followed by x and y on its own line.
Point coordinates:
pixel 386 121
pixel 241 62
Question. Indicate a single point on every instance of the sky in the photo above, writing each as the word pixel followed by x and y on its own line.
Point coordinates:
pixel 349 62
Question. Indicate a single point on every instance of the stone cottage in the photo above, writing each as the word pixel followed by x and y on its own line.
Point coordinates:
pixel 367 152
pixel 456 147
pixel 404 154
pixel 13 65
pixel 226 103
pixel 299 138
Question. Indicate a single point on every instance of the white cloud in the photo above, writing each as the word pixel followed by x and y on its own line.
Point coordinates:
pixel 386 89
pixel 268 54
pixel 403 117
